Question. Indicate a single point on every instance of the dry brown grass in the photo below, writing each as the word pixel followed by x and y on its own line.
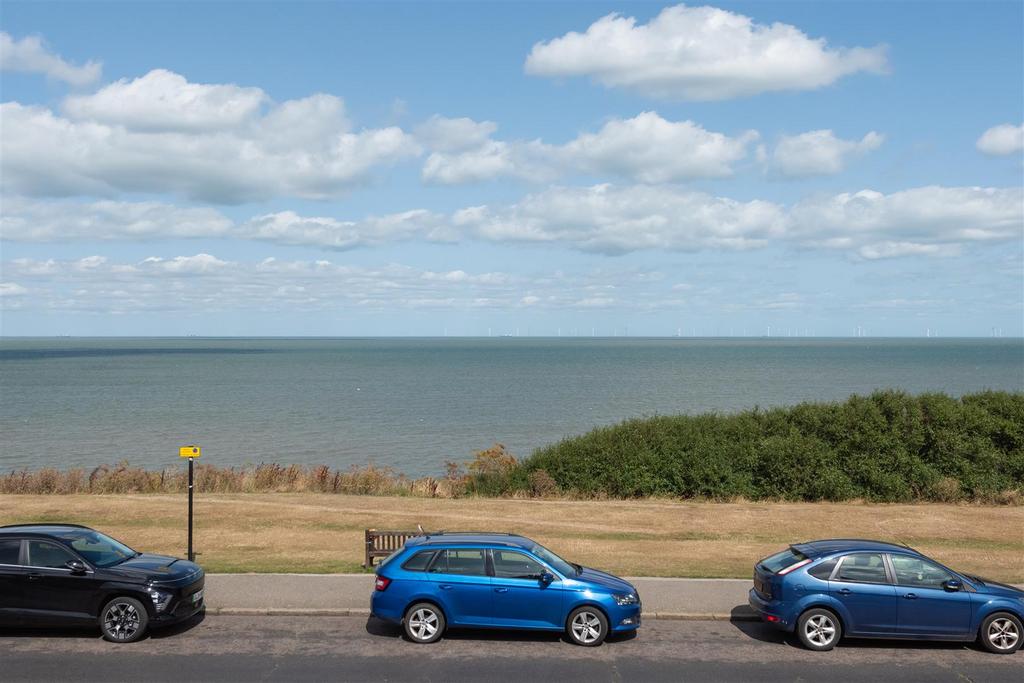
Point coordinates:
pixel 310 532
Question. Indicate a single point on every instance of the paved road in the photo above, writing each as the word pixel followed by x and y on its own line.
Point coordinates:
pixel 282 648
pixel 350 594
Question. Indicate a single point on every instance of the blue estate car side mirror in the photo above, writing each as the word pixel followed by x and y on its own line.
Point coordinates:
pixel 952 585
pixel 546 577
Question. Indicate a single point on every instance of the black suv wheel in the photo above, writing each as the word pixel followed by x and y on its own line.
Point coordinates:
pixel 123 620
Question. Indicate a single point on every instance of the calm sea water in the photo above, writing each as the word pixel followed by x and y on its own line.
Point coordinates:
pixel 415 403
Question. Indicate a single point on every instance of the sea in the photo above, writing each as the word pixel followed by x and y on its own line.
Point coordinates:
pixel 414 404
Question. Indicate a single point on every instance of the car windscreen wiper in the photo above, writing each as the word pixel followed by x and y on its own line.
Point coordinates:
pixel 578 567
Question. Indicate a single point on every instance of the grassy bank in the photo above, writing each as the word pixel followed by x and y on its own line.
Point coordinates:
pixel 887 447
pixel 323 533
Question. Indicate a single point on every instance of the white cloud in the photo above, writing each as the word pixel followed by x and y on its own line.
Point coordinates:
pixel 699 53
pixel 933 220
pixel 818 152
pixel 1002 140
pixel 30 55
pixel 12 289
pixel 646 148
pixel 287 227
pixel 211 143
pixel 26 220
pixel 929 220
pixel 453 135
pixel 56 221
pixel 164 101
pixel 612 219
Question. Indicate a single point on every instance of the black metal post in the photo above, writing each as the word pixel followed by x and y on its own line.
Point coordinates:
pixel 191 555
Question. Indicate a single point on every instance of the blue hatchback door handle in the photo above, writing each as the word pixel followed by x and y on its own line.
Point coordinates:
pixel 845 591
pixel 910 596
pixel 445 586
pixel 501 590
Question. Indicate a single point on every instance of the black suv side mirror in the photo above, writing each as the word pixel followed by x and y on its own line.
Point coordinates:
pixel 952 585
pixel 76 566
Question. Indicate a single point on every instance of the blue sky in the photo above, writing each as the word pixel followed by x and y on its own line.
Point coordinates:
pixel 417 169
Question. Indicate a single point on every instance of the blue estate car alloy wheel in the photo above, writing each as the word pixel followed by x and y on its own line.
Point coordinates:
pixel 823 591
pixel 483 580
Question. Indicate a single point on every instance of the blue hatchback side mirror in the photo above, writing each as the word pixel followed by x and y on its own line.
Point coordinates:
pixel 952 585
pixel 546 577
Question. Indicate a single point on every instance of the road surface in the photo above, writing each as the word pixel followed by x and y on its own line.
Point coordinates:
pixel 290 648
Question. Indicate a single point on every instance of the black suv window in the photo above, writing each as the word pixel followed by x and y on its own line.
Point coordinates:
pixel 419 561
pixel 863 567
pixel 9 551
pixel 509 564
pixel 45 554
pixel 462 561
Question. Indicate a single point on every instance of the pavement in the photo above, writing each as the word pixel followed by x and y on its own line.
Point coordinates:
pixel 349 595
pixel 293 648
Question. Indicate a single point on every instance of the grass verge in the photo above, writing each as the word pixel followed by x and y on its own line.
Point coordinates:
pixel 323 533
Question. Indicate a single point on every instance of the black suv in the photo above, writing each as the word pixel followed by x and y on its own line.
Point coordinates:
pixel 65 574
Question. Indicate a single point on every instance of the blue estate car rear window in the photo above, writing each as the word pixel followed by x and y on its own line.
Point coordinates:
pixel 779 561
pixel 419 562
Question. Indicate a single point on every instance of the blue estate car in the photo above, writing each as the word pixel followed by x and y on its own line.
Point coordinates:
pixel 485 580
pixel 824 590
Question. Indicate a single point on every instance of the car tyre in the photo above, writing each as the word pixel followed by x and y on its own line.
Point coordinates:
pixel 123 620
pixel 587 626
pixel 424 623
pixel 1001 633
pixel 819 629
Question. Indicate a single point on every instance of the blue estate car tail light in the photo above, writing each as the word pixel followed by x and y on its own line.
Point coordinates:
pixel 382 583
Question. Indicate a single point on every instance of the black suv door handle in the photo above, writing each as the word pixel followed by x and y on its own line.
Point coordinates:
pixel 845 591
pixel 34 576
pixel 911 596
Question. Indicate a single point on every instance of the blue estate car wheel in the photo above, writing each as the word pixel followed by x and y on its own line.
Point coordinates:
pixel 424 623
pixel 587 626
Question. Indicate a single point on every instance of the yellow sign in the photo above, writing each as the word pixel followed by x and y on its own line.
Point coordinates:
pixel 189 451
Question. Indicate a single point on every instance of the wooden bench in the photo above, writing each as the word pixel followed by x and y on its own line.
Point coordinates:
pixel 383 543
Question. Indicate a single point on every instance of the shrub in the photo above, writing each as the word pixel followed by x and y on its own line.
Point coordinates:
pixel 889 446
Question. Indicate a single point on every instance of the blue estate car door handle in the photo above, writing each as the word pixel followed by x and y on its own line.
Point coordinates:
pixel 910 596
pixel 845 591
pixel 445 586
pixel 501 590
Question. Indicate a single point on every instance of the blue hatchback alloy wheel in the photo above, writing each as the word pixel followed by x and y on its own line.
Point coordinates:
pixel 1001 633
pixel 819 629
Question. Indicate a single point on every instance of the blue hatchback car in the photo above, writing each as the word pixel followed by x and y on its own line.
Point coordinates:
pixel 486 580
pixel 824 590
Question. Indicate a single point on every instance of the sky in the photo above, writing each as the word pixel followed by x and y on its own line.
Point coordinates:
pixel 500 168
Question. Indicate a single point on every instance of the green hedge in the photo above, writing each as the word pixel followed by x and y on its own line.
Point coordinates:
pixel 889 446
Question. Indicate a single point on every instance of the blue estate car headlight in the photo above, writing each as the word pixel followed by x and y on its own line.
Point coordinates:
pixel 625 599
